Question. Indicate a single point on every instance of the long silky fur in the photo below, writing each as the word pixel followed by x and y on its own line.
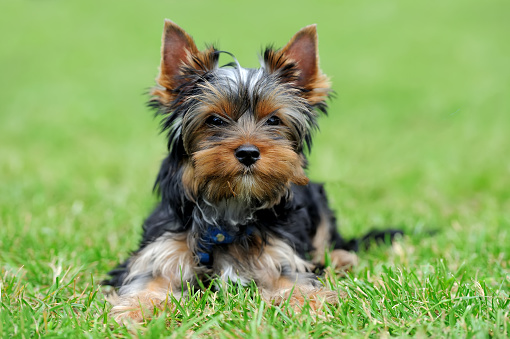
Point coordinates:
pixel 288 218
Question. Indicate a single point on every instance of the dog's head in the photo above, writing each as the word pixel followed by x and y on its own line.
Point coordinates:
pixel 240 133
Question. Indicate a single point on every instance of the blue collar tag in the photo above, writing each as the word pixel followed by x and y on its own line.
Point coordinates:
pixel 216 236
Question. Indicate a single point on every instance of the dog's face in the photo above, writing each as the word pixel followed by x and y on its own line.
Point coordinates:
pixel 241 132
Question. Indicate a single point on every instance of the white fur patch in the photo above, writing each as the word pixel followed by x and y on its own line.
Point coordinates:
pixel 168 257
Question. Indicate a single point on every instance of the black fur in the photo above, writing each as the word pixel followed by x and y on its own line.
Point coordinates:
pixel 295 219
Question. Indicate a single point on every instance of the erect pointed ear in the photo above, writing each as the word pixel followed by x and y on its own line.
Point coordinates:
pixel 302 50
pixel 176 47
pixel 178 51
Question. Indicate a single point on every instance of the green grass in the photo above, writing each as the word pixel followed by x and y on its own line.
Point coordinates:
pixel 417 138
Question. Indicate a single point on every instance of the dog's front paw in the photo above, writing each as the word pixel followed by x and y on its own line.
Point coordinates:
pixel 342 260
pixel 135 309
pixel 298 296
pixel 126 315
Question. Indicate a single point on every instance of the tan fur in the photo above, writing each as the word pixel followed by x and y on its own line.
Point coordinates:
pixel 261 263
pixel 178 49
pixel 135 308
pixel 217 174
pixel 168 257
pixel 321 240
pixel 303 50
pixel 158 270
pixel 297 295
pixel 265 268
pixel 343 260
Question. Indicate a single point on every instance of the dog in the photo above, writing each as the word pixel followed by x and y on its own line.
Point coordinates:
pixel 236 204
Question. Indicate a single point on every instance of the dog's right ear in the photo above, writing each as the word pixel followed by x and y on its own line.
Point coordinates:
pixel 177 49
pixel 179 56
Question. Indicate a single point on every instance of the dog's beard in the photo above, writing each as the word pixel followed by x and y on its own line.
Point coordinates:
pixel 215 175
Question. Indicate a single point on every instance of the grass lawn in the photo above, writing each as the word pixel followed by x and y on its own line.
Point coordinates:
pixel 417 138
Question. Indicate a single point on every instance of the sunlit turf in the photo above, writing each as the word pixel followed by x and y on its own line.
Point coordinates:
pixel 416 138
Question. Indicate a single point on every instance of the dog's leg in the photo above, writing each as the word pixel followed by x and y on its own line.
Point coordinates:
pixel 291 280
pixel 298 289
pixel 160 269
pixel 278 271
pixel 325 239
pixel 327 236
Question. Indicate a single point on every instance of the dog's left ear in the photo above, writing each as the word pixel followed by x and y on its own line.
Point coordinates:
pixel 177 50
pixel 302 50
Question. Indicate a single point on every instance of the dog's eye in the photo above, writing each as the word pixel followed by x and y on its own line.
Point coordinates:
pixel 273 121
pixel 215 121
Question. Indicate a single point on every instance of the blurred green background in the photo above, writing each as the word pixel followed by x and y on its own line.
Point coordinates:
pixel 416 138
pixel 417 135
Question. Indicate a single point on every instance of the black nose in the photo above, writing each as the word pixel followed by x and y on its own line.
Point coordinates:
pixel 247 154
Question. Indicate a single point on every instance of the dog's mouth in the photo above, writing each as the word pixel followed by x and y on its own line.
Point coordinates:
pixel 249 185
pixel 249 170
pixel 249 173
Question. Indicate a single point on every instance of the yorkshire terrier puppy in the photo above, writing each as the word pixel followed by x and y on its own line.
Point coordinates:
pixel 236 203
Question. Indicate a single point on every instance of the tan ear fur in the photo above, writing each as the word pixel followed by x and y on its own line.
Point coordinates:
pixel 176 47
pixel 303 50
pixel 178 50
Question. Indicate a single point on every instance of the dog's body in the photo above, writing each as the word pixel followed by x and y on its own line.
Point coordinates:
pixel 235 201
